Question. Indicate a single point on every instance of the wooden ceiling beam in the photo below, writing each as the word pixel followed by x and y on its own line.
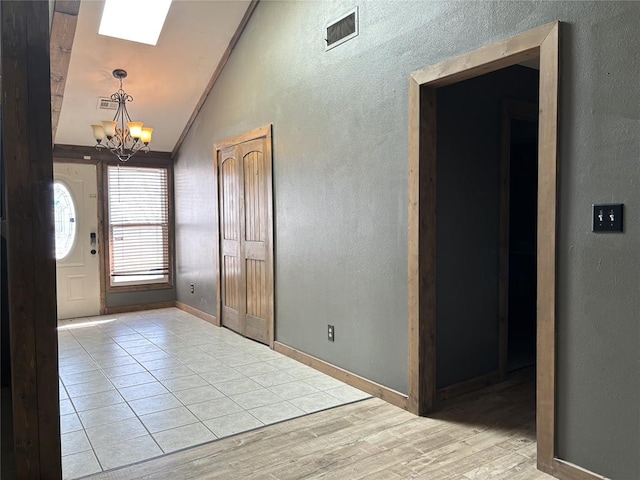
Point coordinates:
pixel 70 7
pixel 63 29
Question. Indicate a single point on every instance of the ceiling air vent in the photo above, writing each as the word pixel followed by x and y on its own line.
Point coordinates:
pixel 342 29
pixel 105 103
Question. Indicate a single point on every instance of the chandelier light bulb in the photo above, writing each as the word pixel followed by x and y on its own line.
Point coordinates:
pixel 146 135
pixel 109 128
pixel 135 129
pixel 98 132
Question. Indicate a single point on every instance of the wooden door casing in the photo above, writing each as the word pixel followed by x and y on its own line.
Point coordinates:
pixel 245 213
pixel 542 42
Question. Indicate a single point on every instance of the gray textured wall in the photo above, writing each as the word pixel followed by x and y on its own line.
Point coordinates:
pixel 468 216
pixel 125 299
pixel 194 219
pixel 340 191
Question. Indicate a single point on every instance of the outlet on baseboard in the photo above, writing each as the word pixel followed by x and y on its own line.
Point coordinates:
pixel 192 288
pixel 331 333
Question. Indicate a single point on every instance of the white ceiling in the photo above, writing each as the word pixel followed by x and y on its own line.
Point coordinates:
pixel 166 80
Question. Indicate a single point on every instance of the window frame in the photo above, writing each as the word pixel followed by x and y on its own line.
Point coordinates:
pixel 106 251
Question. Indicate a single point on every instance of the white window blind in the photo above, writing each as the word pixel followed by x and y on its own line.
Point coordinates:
pixel 138 223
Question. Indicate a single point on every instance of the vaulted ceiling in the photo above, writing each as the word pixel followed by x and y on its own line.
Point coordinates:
pixel 167 81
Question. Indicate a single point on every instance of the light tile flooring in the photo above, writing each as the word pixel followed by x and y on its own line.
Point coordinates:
pixel 138 385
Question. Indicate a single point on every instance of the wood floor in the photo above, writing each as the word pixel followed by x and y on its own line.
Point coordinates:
pixel 486 435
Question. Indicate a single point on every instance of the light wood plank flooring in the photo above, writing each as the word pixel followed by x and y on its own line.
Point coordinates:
pixel 485 435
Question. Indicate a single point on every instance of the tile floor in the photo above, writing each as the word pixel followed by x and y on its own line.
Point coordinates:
pixel 138 385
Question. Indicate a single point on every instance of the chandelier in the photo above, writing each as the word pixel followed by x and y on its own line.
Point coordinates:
pixel 124 138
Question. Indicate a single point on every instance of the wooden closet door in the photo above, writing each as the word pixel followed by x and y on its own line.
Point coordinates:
pixel 255 258
pixel 245 216
pixel 230 237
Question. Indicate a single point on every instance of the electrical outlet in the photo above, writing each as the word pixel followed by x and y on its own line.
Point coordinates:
pixel 193 288
pixel 331 333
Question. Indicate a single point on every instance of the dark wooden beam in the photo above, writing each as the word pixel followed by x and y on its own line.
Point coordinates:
pixel 27 154
pixel 81 152
pixel 214 78
pixel 70 7
pixel 63 29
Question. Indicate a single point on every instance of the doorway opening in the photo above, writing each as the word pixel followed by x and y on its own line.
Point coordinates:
pixel 428 225
pixel 486 195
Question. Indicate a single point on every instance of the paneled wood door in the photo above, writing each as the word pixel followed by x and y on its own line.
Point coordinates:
pixel 245 282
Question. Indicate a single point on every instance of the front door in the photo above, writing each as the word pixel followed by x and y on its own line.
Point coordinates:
pixel 75 202
pixel 246 283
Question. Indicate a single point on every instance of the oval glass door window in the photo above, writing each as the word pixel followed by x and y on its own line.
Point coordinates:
pixel 65 220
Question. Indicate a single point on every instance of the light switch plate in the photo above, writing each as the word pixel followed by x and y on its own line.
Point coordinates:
pixel 607 217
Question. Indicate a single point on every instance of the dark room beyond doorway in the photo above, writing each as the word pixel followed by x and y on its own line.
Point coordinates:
pixel 486 227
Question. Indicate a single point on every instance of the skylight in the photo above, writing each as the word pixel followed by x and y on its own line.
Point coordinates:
pixel 135 20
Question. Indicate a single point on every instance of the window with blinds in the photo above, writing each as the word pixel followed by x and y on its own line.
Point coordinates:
pixel 138 206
